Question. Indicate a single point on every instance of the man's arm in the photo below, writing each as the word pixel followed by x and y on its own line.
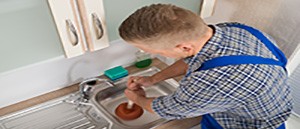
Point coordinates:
pixel 174 70
pixel 145 103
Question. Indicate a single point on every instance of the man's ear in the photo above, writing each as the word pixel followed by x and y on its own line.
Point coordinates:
pixel 185 47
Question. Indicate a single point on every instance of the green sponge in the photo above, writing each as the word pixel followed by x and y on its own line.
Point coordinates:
pixel 116 73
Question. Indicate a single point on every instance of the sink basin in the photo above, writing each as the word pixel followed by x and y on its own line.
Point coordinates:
pixel 106 100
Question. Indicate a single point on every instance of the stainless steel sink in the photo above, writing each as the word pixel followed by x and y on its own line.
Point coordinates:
pixel 56 114
pixel 69 112
pixel 106 100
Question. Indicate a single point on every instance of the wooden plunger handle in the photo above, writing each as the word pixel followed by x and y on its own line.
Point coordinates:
pixel 129 104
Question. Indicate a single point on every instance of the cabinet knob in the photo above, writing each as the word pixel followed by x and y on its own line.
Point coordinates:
pixel 73 36
pixel 97 26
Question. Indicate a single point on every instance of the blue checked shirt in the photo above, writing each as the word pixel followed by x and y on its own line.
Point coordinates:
pixel 237 96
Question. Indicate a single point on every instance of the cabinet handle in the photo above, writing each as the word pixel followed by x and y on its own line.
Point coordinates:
pixel 73 36
pixel 97 26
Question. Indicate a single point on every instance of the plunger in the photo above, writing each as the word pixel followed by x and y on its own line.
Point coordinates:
pixel 129 111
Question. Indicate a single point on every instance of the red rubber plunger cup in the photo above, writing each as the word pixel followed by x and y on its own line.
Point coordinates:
pixel 129 114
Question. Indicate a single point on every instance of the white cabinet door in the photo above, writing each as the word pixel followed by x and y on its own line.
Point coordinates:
pixel 207 8
pixel 67 21
pixel 93 20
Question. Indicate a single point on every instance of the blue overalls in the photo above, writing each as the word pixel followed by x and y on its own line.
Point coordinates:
pixel 208 122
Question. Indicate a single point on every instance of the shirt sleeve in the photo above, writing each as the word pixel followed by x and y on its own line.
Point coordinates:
pixel 196 96
pixel 187 60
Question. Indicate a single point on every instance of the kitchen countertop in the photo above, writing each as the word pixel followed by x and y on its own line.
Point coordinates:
pixel 174 124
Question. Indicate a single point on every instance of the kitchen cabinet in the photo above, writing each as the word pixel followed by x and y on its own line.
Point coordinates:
pixel 80 25
pixel 207 8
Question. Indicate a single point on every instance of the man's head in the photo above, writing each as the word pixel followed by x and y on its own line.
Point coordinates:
pixel 164 29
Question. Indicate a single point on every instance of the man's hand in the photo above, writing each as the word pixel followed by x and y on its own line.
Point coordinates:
pixel 176 69
pixel 135 95
pixel 138 97
pixel 135 82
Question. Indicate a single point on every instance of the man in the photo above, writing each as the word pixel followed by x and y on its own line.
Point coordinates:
pixel 234 75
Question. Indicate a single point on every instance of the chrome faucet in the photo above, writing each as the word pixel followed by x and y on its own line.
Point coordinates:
pixel 87 87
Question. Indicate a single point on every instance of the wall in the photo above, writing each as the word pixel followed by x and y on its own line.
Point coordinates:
pixel 42 77
pixel 294 71
pixel 28 33
pixel 278 18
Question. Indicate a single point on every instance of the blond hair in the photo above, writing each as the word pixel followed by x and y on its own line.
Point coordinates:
pixel 162 25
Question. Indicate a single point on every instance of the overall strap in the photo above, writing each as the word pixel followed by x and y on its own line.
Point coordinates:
pixel 248 59
pixel 276 51
pixel 238 60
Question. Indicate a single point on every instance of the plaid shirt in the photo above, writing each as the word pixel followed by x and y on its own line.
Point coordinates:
pixel 237 96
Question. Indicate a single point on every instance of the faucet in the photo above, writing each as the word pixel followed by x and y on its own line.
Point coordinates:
pixel 87 87
pixel 86 90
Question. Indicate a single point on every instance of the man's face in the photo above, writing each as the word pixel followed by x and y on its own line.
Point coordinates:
pixel 167 52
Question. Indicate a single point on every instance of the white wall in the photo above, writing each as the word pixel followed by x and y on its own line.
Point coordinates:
pixel 278 18
pixel 33 80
